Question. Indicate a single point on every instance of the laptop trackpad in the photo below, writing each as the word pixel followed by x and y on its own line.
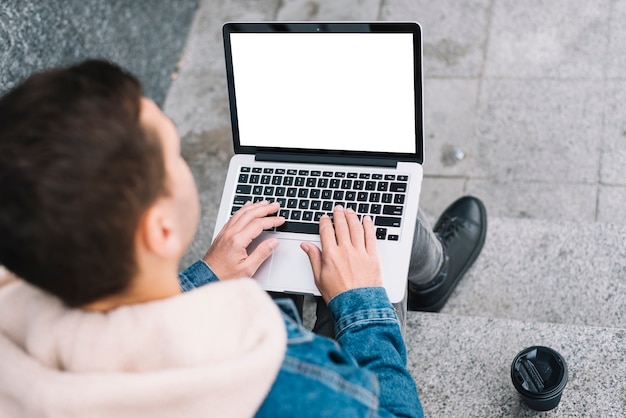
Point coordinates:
pixel 287 269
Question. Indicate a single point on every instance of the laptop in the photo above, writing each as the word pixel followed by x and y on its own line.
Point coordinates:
pixel 326 113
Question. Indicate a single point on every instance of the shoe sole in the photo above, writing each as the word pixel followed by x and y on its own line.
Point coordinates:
pixel 437 306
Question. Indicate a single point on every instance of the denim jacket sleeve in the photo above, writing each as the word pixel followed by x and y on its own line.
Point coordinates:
pixel 366 326
pixel 196 275
pixel 362 374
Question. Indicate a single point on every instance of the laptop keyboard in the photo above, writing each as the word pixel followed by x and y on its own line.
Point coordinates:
pixel 306 195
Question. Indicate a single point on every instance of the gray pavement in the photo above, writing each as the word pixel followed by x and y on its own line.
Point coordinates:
pixel 532 96
pixel 144 36
pixel 531 93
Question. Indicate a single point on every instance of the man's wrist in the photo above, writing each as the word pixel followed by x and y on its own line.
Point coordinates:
pixel 360 304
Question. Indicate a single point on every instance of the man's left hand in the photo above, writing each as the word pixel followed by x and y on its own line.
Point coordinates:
pixel 228 256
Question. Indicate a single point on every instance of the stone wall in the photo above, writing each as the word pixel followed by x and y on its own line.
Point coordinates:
pixel 144 36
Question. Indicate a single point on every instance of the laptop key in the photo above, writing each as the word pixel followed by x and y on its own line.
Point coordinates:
pixel 241 200
pixel 392 210
pixel 243 189
pixel 398 187
pixel 387 221
pixel 300 227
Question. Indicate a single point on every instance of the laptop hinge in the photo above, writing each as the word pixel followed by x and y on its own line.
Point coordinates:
pixel 326 159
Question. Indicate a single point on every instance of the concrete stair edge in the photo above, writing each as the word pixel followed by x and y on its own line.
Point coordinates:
pixel 547 271
pixel 461 365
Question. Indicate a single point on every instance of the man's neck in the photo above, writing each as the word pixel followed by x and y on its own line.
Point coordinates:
pixel 142 289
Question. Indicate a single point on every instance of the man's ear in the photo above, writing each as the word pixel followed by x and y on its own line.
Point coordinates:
pixel 157 231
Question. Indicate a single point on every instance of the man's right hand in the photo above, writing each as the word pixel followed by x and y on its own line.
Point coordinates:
pixel 349 258
pixel 228 255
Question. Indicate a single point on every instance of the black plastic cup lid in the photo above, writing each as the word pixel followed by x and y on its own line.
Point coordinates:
pixel 539 374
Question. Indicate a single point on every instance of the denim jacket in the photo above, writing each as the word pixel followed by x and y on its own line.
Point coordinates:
pixel 361 374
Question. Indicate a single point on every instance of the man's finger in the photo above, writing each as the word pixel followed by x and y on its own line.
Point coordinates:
pixel 370 236
pixel 259 255
pixel 357 235
pixel 246 215
pixel 327 233
pixel 342 232
pixel 315 257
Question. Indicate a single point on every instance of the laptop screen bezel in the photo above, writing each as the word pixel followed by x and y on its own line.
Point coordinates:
pixel 328 27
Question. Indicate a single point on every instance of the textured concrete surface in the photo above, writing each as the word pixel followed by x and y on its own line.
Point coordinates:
pixel 462 366
pixel 533 95
pixel 547 271
pixel 530 93
pixel 146 37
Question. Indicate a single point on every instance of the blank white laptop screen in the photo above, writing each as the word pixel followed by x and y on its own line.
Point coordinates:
pixel 333 91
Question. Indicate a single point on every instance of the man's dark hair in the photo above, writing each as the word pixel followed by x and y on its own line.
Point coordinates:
pixel 77 172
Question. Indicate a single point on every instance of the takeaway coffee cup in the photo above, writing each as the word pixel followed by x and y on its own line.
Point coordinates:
pixel 539 374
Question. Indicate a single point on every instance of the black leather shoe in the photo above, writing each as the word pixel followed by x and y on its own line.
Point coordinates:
pixel 462 228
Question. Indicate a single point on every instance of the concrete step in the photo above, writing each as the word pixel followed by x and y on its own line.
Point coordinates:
pixel 462 365
pixel 547 271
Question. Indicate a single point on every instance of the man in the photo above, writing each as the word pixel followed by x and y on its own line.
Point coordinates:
pixel 98 207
